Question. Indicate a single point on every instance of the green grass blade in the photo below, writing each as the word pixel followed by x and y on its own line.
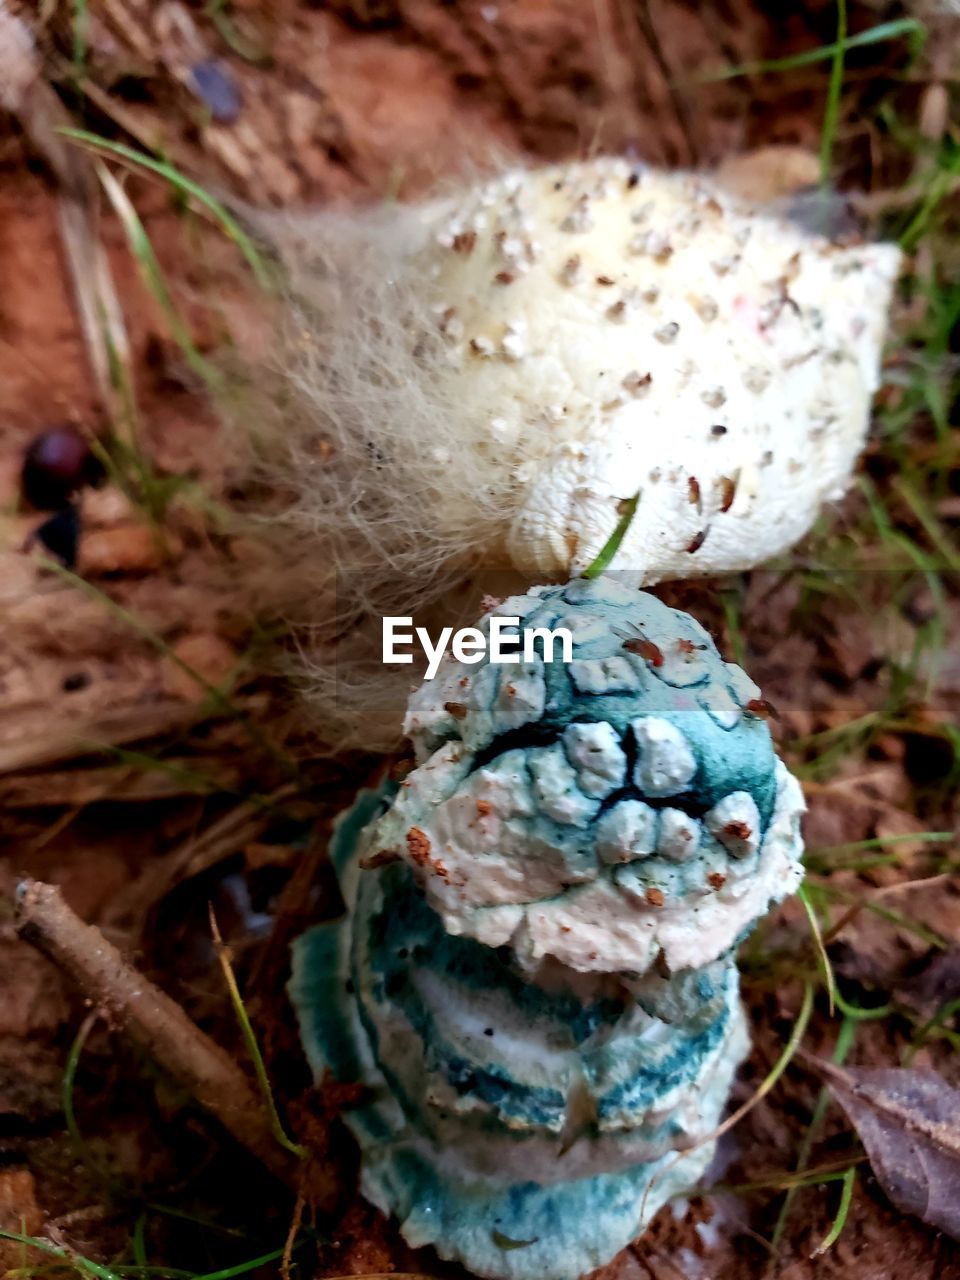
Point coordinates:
pixel 81 21
pixel 856 1013
pixel 885 913
pixel 930 524
pixel 75 1260
pixel 946 1011
pixel 253 1048
pixel 87 1267
pixel 846 1195
pixel 139 1243
pixel 152 276
pixel 831 115
pixel 893 30
pixel 612 544
pixel 242 1267
pixel 69 1081
pixel 787 1182
pixel 732 617
pixel 187 187
pixel 832 993
pixel 787 1055
pixel 168 1273
pixel 216 11
pixel 879 842
pixel 845 1039
pixel 833 857
pixel 939 187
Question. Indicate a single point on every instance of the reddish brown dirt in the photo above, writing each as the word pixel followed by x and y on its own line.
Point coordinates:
pixel 361 98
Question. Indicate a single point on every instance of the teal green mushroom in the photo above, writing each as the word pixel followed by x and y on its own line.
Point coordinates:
pixel 535 976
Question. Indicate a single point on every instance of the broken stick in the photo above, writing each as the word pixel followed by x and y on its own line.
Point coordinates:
pixel 153 1021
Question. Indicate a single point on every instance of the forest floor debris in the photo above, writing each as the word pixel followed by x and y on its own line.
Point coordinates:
pixel 152 759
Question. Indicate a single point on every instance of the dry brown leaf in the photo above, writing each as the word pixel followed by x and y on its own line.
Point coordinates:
pixel 909 1122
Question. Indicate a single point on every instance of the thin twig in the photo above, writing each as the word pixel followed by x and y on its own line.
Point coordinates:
pixel 152 1020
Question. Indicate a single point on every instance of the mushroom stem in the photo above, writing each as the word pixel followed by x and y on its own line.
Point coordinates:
pixel 153 1021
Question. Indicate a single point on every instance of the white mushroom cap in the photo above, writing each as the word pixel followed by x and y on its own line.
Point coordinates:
pixel 615 330
pixel 481 382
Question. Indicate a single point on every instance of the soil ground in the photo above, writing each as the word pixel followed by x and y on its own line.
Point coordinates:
pixel 124 783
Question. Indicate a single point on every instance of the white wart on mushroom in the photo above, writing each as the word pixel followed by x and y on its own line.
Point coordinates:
pixel 624 806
